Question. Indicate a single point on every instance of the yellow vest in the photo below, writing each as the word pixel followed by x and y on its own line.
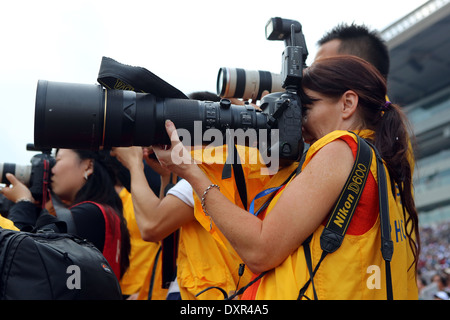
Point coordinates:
pixel 356 270
pixel 204 262
pixel 212 163
pixel 7 224
pixel 158 292
pixel 205 257
pixel 142 256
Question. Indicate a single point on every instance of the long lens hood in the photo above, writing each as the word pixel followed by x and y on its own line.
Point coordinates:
pixel 68 115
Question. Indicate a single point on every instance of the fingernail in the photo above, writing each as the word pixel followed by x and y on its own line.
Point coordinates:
pixel 169 123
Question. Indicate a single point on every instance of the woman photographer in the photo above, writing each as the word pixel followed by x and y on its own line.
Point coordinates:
pixel 340 94
pixel 83 181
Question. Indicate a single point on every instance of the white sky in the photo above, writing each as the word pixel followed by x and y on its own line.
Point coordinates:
pixel 183 42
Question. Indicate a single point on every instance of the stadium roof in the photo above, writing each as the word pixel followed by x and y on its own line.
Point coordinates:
pixel 419 48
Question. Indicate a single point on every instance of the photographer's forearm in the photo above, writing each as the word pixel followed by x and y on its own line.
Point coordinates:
pixel 145 202
pixel 155 217
pixel 165 180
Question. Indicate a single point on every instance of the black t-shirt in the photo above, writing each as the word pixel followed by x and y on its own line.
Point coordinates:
pixel 90 223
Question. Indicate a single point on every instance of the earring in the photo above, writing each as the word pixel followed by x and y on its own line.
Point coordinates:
pixel 85 175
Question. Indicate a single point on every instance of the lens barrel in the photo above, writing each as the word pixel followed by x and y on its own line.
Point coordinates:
pixel 246 84
pixel 21 172
pixel 82 116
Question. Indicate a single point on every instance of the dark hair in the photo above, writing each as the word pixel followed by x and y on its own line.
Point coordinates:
pixel 334 76
pixel 100 188
pixel 359 41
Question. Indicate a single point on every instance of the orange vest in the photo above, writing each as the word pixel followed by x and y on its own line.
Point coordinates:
pixel 225 259
pixel 205 257
pixel 256 179
pixel 204 262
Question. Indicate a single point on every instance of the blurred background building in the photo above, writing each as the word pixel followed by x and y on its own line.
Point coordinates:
pixel 419 80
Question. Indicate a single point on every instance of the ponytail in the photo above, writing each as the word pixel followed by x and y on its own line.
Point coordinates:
pixel 393 141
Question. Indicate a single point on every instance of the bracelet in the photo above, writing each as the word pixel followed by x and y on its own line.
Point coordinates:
pixel 204 196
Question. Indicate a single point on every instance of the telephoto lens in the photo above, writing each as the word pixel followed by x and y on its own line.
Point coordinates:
pixel 246 84
pixel 88 116
pixel 22 172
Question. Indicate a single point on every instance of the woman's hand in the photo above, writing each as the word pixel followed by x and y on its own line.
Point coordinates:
pixel 17 190
pixel 154 163
pixel 130 157
pixel 176 157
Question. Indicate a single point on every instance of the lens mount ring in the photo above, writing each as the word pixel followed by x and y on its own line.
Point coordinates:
pixel 104 117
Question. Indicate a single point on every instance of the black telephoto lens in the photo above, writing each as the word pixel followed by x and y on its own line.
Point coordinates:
pixel 83 116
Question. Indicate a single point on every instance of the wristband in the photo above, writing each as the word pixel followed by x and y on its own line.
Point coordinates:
pixel 24 200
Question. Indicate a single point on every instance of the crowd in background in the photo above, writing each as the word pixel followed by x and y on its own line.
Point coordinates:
pixel 434 261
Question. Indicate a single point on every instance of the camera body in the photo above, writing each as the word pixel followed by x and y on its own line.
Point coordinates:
pixel 250 84
pixel 35 176
pixel 283 108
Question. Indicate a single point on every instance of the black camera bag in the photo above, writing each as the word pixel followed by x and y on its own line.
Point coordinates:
pixel 53 266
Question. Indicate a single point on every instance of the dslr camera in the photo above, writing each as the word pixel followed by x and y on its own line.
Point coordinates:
pixel 250 84
pixel 36 176
pixel 131 104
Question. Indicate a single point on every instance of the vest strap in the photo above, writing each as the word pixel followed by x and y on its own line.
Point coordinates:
pixel 239 176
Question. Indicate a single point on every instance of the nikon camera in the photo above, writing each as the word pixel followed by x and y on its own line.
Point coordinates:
pixel 84 116
pixel 35 176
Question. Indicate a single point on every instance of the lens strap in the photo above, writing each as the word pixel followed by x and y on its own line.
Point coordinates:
pixel 118 76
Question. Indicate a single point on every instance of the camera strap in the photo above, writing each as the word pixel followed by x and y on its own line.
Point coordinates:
pixel 115 75
pixel 337 225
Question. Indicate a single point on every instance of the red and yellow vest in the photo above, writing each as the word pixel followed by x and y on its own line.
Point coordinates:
pixel 356 270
